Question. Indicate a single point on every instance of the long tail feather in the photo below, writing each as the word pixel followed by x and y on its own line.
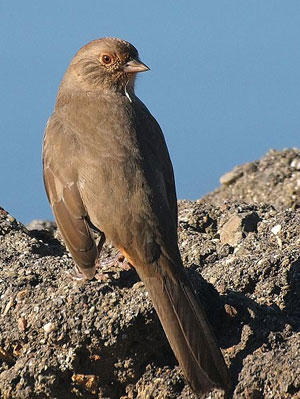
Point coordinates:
pixel 186 327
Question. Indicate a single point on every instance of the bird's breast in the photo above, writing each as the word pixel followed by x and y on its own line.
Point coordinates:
pixel 108 157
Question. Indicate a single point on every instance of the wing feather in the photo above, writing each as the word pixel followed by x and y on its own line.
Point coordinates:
pixel 61 186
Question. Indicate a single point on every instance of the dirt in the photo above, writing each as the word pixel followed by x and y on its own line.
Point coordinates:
pixel 65 339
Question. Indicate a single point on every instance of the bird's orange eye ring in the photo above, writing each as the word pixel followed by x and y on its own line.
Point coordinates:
pixel 106 59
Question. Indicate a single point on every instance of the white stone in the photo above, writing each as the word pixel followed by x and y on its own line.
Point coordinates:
pixel 276 229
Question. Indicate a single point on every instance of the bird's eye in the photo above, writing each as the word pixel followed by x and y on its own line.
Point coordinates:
pixel 106 59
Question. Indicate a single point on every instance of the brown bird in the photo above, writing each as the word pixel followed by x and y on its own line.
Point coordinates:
pixel 107 167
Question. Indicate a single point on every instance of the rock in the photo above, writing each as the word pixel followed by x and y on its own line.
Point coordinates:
pixel 295 163
pixel 63 339
pixel 276 229
pixel 236 228
pixel 38 224
pixel 230 177
pixel 274 179
pixel 49 327
pixel 231 233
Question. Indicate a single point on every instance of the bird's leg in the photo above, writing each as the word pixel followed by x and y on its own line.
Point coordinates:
pixel 99 264
pixel 125 261
pixel 122 262
pixel 118 260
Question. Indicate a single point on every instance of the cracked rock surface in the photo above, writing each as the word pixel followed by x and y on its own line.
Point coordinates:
pixel 64 339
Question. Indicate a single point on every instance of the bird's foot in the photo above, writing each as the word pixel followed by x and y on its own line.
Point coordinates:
pixel 102 277
pixel 117 261
pixel 76 275
pixel 123 263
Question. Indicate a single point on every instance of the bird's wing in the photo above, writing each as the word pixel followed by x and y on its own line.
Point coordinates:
pixel 60 178
pixel 182 317
pixel 155 143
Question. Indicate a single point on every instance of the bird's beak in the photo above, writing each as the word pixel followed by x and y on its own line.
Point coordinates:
pixel 134 66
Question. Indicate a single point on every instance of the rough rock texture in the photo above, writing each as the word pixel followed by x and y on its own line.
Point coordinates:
pixel 64 339
pixel 275 179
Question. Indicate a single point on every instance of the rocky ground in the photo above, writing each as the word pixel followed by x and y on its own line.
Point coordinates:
pixel 63 339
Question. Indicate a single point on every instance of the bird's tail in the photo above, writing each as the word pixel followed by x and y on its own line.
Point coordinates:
pixel 186 326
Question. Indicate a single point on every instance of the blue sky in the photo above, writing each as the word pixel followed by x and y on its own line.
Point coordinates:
pixel 224 82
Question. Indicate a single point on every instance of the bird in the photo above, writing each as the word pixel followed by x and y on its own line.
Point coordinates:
pixel 106 168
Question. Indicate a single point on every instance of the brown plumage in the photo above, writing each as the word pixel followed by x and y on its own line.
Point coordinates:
pixel 107 167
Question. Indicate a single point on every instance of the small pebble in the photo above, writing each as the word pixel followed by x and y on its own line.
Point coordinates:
pixel 295 164
pixel 8 306
pixel 49 327
pixel 22 324
pixel 21 295
pixel 276 229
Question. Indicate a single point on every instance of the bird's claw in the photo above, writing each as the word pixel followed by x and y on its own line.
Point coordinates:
pixel 118 261
pixel 76 274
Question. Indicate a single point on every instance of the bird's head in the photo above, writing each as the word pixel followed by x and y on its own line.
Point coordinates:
pixel 107 64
